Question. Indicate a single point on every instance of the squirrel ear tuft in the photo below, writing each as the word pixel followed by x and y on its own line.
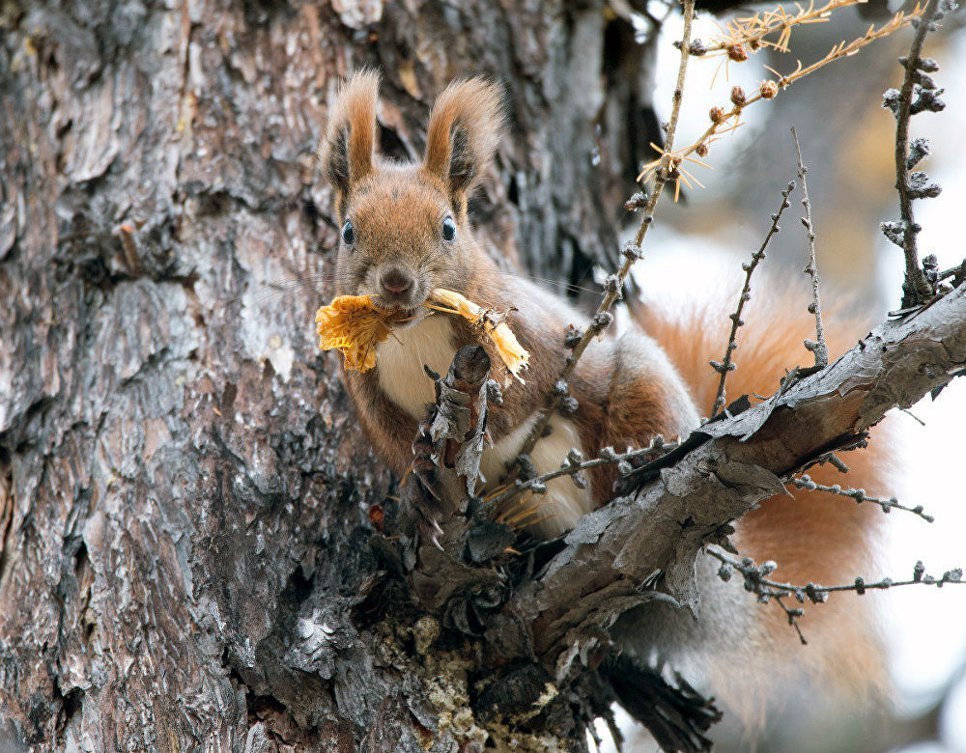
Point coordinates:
pixel 346 150
pixel 462 135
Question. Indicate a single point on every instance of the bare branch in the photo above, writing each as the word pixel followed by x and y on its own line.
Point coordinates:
pixel 859 495
pixel 727 364
pixel 688 498
pixel 723 121
pixel 958 273
pixel 751 32
pixel 612 289
pixel 818 348
pixel 918 93
pixel 756 581
pixel 575 465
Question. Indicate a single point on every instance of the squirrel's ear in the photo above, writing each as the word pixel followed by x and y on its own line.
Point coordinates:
pixel 345 153
pixel 462 135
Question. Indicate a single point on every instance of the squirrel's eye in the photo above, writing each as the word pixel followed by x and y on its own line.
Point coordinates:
pixel 348 233
pixel 449 229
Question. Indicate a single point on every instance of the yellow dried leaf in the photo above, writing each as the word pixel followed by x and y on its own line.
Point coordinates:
pixel 354 326
pixel 493 323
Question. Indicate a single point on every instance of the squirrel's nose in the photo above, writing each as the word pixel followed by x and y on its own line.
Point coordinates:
pixel 395 281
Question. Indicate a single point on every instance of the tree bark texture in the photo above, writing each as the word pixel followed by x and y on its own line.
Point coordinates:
pixel 184 493
pixel 186 503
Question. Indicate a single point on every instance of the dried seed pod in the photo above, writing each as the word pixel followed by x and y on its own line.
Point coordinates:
pixel 702 149
pixel 738 96
pixel 737 52
pixel 717 114
pixel 769 89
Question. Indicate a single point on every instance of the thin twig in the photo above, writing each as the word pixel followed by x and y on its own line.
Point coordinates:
pixel 859 495
pixel 793 613
pixel 575 465
pixel 756 581
pixel 725 121
pixel 727 365
pixel 836 462
pixel 913 416
pixel 818 348
pixel 916 288
pixel 632 252
pixel 959 272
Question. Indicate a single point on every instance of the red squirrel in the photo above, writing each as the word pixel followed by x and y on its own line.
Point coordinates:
pixel 405 231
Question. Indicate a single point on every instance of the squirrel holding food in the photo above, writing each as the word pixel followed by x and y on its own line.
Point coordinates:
pixel 406 234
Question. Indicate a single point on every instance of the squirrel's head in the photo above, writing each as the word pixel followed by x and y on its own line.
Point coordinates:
pixel 404 228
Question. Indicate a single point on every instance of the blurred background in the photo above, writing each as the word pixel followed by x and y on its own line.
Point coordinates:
pixel 847 141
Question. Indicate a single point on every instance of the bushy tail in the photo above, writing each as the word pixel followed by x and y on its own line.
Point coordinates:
pixel 815 537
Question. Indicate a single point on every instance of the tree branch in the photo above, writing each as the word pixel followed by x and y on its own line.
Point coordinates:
pixel 918 93
pixel 727 364
pixel 733 464
pixel 818 348
pixel 631 252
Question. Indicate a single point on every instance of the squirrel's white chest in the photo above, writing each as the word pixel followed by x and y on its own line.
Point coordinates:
pixel 400 360
pixel 399 366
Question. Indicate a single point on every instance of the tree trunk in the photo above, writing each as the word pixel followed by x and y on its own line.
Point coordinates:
pixel 185 498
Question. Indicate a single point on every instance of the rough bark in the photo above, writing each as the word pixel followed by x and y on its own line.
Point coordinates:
pixel 184 495
pixel 186 505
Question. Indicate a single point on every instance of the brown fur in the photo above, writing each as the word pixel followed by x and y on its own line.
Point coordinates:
pixel 347 148
pixel 462 135
pixel 769 345
pixel 396 210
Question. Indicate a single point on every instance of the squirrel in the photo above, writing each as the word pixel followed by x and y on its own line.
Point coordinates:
pixel 405 230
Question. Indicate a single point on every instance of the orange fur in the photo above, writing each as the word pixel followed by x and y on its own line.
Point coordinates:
pixel 625 388
pixel 814 536
pixel 347 148
pixel 462 134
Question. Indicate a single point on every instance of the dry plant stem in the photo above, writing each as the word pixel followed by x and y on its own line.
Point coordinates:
pixel 602 317
pixel 727 365
pixel 917 287
pixel 750 32
pixel 730 119
pixel 859 495
pixel 819 348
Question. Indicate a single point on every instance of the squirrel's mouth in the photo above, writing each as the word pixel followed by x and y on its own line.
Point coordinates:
pixel 396 308
pixel 399 314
